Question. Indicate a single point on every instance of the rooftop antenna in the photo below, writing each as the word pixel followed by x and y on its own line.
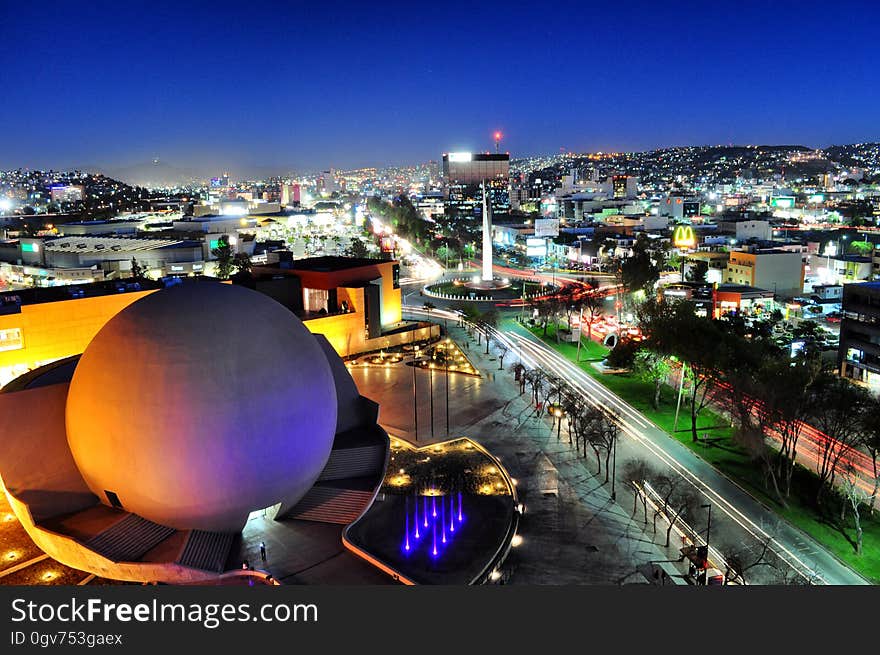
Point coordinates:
pixel 497 136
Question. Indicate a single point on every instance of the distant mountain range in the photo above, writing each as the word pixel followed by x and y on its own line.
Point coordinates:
pixel 158 173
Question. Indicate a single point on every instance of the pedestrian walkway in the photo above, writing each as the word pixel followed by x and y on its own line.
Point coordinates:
pixel 575 535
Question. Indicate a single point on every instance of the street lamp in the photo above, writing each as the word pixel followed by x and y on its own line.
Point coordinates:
pixel 613 466
pixel 708 506
pixel 446 366
pixel 415 365
pixel 431 388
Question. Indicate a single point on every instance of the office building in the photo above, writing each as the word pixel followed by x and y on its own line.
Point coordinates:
pixel 775 270
pixel 465 168
pixel 858 353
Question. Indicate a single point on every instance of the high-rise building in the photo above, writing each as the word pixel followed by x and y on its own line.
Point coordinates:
pixel 473 168
pixel 464 174
pixel 327 181
pixel 290 194
pixel 623 186
pixel 858 354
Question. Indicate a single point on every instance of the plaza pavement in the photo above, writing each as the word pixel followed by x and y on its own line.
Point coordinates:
pixel 576 535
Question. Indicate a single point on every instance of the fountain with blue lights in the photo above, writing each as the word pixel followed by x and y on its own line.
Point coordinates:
pixel 432 525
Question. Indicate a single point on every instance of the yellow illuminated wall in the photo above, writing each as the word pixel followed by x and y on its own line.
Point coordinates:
pixel 345 332
pixel 54 330
pixel 391 297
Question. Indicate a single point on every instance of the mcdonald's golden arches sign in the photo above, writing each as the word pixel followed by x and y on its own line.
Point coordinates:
pixel 683 237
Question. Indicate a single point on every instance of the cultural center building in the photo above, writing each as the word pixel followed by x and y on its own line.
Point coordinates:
pixel 354 303
pixel 191 409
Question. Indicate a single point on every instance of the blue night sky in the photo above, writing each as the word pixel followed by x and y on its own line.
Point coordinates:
pixel 298 86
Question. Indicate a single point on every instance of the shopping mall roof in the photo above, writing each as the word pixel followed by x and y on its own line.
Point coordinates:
pixel 94 244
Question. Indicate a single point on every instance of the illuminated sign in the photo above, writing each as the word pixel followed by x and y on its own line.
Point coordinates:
pixel 460 156
pixel 817 198
pixel 683 237
pixel 30 247
pixel 782 202
pixel 536 247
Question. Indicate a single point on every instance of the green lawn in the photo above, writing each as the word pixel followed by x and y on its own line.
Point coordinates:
pixel 724 454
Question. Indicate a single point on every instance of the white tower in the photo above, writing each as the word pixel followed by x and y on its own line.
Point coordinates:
pixel 487 236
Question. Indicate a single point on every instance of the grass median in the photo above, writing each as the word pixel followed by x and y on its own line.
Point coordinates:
pixel 720 450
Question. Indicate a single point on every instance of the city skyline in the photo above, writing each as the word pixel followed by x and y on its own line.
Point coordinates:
pixel 309 90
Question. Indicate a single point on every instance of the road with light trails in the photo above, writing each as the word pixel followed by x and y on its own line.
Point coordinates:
pixel 791 545
pixel 730 503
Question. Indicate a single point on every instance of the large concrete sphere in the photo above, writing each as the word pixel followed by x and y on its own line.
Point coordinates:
pixel 201 403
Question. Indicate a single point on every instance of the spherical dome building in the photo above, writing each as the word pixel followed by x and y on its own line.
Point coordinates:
pixel 199 404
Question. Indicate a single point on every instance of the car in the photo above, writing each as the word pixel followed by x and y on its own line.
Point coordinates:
pixel 832 319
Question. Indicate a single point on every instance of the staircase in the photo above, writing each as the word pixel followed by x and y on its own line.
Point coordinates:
pixel 332 504
pixel 129 539
pixel 206 550
pixel 354 462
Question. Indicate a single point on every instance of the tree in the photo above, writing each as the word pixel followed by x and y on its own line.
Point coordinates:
pixel 870 440
pixel 854 496
pixel 429 306
pixel 836 408
pixel 651 367
pixel 702 345
pixel 698 272
pixel 639 272
pixel 358 248
pixel 786 402
pixel 591 305
pixel 739 559
pixel 861 247
pixel 635 472
pixel 502 351
pixel 546 311
pixel 241 262
pixel 444 252
pixel 519 374
pixel 225 258
pixel 137 271
pixel 678 499
pixel 536 379
pixel 488 320
pixel 623 354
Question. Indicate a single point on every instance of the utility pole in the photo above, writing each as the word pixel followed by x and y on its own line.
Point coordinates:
pixel 708 507
pixel 415 398
pixel 680 390
pixel 708 522
pixel 446 362
pixel 431 378
pixel 613 466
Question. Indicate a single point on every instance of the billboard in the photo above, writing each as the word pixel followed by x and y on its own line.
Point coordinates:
pixel 536 247
pixel 782 202
pixel 546 227
pixel 549 206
